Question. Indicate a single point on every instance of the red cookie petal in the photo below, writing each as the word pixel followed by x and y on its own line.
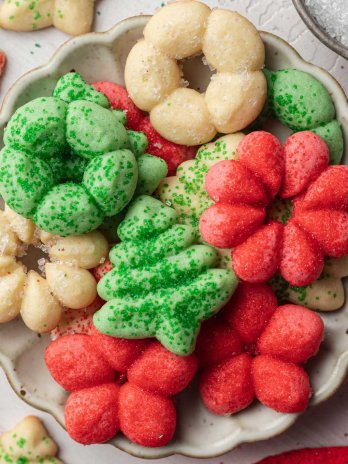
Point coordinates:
pixel 74 363
pixel 329 229
pixel 159 371
pixel 146 418
pixel 257 259
pixel 281 386
pixel 118 352
pixel 306 156
pixel 172 153
pixel 100 271
pixel 226 226
pixel 91 414
pixel 302 260
pixel 263 154
pixel 250 310
pixel 119 99
pixel 217 342
pixel 330 190
pixel 2 62
pixel 228 387
pixel 231 182
pixel 293 334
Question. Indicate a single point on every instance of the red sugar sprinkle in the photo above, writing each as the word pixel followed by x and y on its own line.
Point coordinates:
pixel 329 228
pixel 330 190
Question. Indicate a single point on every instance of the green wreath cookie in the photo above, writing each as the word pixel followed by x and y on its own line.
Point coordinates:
pixel 162 285
pixel 69 162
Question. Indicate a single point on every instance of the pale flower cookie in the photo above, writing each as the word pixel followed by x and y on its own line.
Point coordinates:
pixel 74 17
pixel 24 228
pixel 37 294
pixel 325 294
pixel 230 44
pixel 68 282
pixel 185 191
pixel 28 442
pixel 12 282
pixel 85 251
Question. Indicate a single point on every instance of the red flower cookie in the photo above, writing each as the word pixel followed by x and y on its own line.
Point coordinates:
pixel 117 385
pixel 256 349
pixel 243 188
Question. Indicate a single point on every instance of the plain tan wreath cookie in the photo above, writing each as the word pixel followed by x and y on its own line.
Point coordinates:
pixel 231 45
pixel 68 283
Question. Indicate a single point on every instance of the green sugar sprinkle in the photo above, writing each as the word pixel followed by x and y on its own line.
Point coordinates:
pixel 21 442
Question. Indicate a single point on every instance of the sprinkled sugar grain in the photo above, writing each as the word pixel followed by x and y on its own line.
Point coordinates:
pixel 332 15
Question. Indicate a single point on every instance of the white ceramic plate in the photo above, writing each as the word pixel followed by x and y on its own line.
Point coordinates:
pixel 199 433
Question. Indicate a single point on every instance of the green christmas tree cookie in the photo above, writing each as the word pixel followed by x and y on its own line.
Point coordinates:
pixel 162 283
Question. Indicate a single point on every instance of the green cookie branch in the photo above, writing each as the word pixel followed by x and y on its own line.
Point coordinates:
pixel 69 162
pixel 162 283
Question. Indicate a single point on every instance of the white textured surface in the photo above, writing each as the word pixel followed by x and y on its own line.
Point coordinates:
pixel 325 425
pixel 332 16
